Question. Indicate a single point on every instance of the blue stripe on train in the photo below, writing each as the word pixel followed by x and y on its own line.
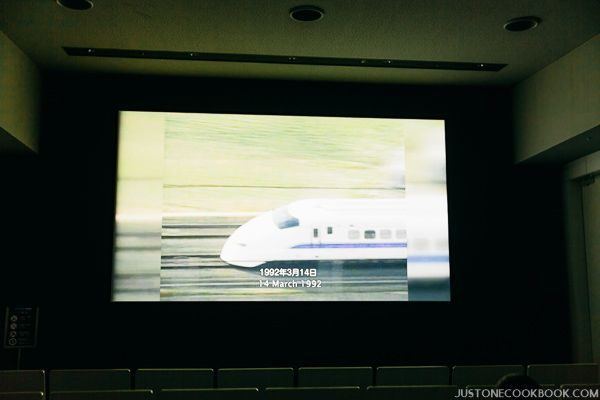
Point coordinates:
pixel 347 245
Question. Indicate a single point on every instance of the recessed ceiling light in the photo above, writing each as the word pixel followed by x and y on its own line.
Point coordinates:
pixel 79 5
pixel 306 13
pixel 522 24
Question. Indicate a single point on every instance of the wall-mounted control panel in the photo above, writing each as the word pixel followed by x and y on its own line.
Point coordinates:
pixel 20 328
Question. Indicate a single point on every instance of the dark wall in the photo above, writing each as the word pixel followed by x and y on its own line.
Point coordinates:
pixel 509 292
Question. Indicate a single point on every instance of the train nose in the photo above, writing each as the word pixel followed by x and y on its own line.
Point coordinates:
pixel 230 252
pixel 236 253
pixel 240 248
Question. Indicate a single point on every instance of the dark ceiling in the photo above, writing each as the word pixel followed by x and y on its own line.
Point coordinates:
pixel 431 30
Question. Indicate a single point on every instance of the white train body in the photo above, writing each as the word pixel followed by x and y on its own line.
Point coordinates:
pixel 334 229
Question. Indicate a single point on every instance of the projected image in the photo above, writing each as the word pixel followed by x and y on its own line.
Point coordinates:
pixel 230 207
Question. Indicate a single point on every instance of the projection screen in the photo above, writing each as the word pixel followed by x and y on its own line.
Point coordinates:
pixel 232 207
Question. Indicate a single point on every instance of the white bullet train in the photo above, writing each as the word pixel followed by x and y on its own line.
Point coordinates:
pixel 338 229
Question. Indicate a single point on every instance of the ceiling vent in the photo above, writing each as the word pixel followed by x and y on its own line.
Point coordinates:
pixel 283 59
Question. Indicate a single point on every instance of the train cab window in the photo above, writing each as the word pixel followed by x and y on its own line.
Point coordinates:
pixel 370 235
pixel 353 234
pixel 385 234
pixel 400 233
pixel 316 232
pixel 283 219
pixel 329 230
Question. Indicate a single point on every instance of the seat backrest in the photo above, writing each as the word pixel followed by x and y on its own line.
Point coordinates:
pixel 22 381
pixel 481 387
pixel 463 375
pixel 314 393
pixel 209 394
pixel 563 373
pixel 104 395
pixel 89 379
pixel 174 378
pixel 335 376
pixel 401 376
pixel 572 386
pixel 429 392
pixel 255 377
pixel 22 396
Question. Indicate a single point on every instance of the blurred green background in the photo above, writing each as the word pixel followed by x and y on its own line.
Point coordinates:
pixel 224 163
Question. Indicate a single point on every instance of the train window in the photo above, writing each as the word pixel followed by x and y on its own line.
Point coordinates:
pixel 385 234
pixel 283 219
pixel 441 244
pixel 421 244
pixel 316 232
pixel 329 230
pixel 353 234
pixel 370 235
pixel 400 233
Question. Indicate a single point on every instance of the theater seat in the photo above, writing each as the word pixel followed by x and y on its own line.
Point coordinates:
pixel 89 379
pixel 335 376
pixel 564 373
pixel 400 376
pixel 314 393
pixel 581 386
pixel 22 396
pixel 22 381
pixel 481 386
pixel 104 395
pixel 463 375
pixel 174 378
pixel 255 377
pixel 209 394
pixel 430 392
pixel 544 386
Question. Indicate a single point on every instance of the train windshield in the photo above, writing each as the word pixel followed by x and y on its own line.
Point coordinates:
pixel 283 219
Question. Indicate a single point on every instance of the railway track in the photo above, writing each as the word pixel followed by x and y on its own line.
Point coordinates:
pixel 191 270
